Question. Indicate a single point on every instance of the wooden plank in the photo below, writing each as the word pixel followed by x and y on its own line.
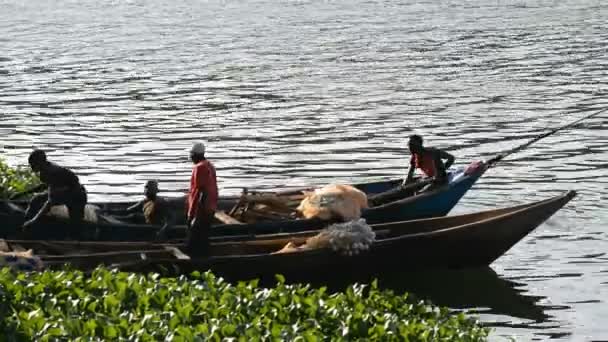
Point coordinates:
pixel 225 218
pixel 237 206
pixel 72 247
pixel 177 253
pixel 56 248
pixel 102 257
pixel 268 199
pixel 4 246
pixel 17 248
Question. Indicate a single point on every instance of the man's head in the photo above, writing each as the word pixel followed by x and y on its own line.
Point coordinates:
pixel 151 188
pixel 37 160
pixel 197 152
pixel 415 144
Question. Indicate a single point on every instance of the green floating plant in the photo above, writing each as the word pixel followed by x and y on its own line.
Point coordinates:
pixel 14 180
pixel 111 305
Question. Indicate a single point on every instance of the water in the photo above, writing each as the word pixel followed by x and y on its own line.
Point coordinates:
pixel 313 92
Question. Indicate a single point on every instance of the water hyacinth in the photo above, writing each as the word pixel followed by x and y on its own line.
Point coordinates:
pixel 111 305
pixel 15 179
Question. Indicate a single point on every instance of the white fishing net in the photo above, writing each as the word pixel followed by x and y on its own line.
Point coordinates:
pixel 348 238
pixel 61 211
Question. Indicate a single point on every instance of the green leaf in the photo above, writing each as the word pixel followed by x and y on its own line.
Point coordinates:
pixel 228 329
pixel 110 332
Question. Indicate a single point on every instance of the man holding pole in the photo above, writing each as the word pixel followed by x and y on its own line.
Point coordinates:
pixel 429 160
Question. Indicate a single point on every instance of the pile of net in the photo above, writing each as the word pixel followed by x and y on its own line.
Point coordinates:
pixel 348 238
pixel 334 201
pixel 21 261
pixel 61 211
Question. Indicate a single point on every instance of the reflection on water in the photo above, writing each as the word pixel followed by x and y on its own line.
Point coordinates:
pixel 502 304
pixel 313 92
pixel 477 290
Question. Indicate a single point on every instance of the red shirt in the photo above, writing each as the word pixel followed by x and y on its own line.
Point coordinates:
pixel 426 163
pixel 202 179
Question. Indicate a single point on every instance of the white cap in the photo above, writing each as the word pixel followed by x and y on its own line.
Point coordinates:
pixel 198 148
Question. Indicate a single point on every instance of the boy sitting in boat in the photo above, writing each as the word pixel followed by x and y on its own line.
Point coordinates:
pixel 152 209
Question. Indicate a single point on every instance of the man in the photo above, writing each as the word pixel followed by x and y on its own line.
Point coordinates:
pixel 429 160
pixel 202 201
pixel 63 187
pixel 152 209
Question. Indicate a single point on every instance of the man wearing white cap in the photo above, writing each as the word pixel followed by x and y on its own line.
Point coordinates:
pixel 202 201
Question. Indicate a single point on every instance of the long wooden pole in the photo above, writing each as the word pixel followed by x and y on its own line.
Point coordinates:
pixel 542 136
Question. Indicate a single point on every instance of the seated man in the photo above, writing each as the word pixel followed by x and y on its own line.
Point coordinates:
pixel 63 187
pixel 152 209
pixel 429 160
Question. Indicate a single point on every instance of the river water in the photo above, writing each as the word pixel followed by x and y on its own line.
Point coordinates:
pixel 294 92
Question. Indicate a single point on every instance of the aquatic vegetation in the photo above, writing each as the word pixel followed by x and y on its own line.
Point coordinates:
pixel 108 305
pixel 15 179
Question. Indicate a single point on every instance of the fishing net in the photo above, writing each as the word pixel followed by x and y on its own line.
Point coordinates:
pixel 61 211
pixel 348 238
pixel 21 261
pixel 334 201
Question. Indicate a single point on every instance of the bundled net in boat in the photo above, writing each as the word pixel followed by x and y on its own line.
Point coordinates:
pixel 21 261
pixel 332 201
pixel 348 238
pixel 61 211
pixel 336 200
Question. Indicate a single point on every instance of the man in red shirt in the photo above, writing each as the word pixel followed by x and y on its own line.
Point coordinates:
pixel 202 201
pixel 429 160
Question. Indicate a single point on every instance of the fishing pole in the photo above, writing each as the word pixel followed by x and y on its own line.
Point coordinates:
pixel 502 156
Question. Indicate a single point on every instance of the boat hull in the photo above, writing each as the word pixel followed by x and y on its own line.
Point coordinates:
pixel 471 245
pixel 447 243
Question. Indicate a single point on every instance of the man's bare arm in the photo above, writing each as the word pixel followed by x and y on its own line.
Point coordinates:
pixel 450 158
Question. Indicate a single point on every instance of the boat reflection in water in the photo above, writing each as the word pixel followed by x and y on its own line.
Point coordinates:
pixel 479 291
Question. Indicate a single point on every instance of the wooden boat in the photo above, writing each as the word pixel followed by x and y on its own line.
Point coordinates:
pixel 455 242
pixel 406 204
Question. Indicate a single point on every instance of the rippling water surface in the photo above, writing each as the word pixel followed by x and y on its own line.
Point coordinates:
pixel 312 92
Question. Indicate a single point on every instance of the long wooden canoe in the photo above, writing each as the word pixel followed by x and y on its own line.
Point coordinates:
pixel 455 242
pixel 406 205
